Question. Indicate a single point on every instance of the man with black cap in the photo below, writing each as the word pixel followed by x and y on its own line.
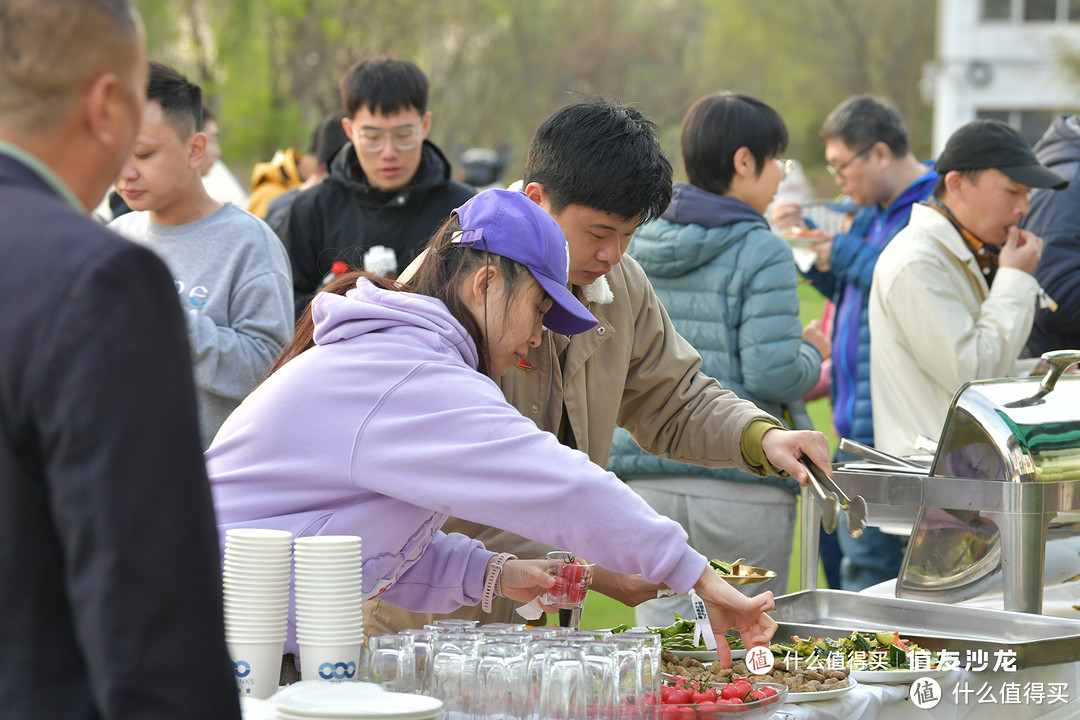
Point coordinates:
pixel 953 297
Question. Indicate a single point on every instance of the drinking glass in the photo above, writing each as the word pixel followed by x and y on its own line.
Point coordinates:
pixel 501 690
pixel 392 661
pixel 563 677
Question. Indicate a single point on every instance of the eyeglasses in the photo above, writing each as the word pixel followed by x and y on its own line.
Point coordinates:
pixel 838 170
pixel 404 137
pixel 786 165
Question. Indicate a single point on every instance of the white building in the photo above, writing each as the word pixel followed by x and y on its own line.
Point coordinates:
pixel 1001 59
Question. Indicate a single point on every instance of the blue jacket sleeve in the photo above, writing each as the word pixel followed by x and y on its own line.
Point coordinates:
pixel 777 364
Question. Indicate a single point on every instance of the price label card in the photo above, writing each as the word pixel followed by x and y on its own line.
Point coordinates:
pixel 702 626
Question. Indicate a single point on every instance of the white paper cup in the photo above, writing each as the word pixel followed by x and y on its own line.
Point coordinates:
pixel 257 667
pixel 255 586
pixel 258 536
pixel 248 631
pixel 327 541
pixel 329 599
pixel 330 661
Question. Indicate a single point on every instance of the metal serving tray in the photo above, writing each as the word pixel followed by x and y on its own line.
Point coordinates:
pixel 1036 639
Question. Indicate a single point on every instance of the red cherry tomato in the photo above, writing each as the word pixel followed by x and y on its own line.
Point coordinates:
pixel 710 694
pixel 679 681
pixel 768 690
pixel 755 695
pixel 730 691
pixel 708 710
pixel 687 713
pixel 575 593
pixel 573 572
pixel 559 588
pixel 679 697
pixel 670 712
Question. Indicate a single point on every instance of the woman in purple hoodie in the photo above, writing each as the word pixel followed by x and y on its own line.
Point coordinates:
pixel 390 422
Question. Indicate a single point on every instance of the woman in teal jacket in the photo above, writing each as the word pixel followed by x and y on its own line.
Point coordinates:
pixel 729 285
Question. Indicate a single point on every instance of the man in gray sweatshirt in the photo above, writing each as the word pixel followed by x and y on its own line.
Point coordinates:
pixel 231 272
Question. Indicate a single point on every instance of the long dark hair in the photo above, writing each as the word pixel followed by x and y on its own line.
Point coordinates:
pixel 445 266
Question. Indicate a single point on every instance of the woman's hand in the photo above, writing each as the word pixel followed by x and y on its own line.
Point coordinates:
pixel 728 608
pixel 523 580
pixel 785 448
pixel 630 590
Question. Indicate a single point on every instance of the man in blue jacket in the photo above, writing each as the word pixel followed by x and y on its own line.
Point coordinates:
pixel 869 154
pixel 1055 217
pixel 111 587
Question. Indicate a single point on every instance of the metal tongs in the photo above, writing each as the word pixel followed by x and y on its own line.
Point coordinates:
pixel 828 491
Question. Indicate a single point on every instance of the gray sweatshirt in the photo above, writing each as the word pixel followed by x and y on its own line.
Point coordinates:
pixel 233 282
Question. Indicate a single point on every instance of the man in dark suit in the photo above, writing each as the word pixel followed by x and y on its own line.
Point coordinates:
pixel 109 578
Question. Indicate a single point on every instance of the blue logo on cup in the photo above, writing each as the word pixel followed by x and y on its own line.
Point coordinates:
pixel 337 671
pixel 241 668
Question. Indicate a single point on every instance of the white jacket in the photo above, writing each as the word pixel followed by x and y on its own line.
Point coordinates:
pixel 935 324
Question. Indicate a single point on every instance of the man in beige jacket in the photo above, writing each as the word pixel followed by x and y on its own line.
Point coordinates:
pixel 953 298
pixel 598 169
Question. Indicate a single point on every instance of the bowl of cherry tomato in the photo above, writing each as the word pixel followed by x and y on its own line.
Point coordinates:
pixel 685 699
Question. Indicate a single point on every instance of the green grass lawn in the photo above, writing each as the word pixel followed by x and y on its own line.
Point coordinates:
pixel 603 612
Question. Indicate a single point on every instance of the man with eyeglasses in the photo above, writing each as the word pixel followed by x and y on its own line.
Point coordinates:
pixel 392 190
pixel 868 152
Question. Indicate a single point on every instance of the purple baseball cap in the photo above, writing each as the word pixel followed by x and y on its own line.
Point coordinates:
pixel 508 223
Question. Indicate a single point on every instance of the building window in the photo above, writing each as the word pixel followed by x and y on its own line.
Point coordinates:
pixel 1031 123
pixel 997 9
pixel 1031 10
pixel 1040 10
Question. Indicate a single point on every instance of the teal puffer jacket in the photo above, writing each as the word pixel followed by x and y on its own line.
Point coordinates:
pixel 729 285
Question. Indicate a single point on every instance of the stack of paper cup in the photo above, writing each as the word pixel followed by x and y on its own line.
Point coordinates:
pixel 256 592
pixel 329 599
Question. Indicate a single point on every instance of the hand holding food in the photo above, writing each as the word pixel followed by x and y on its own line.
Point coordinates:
pixel 786 214
pixel 728 608
pixel 524 580
pixel 1021 250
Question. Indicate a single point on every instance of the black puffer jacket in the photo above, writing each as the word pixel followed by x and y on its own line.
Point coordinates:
pixel 1055 217
pixel 343 216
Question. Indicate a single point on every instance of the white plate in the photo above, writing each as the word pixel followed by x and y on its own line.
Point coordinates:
pixel 894 677
pixel 794 697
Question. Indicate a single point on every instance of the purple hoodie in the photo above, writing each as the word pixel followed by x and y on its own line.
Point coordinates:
pixel 385 428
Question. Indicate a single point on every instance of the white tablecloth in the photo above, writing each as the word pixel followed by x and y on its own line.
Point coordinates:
pixel 889 702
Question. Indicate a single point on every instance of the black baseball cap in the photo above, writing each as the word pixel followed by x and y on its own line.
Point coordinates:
pixel 986 143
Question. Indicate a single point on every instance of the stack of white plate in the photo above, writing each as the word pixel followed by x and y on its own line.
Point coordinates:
pixel 320 700
pixel 256 597
pixel 329 600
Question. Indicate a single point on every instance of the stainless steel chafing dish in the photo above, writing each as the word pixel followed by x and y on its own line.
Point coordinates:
pixel 1005 476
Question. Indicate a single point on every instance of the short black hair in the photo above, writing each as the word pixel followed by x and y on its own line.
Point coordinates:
pixel 861 121
pixel 719 124
pixel 385 86
pixel 180 99
pixel 329 137
pixel 604 156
